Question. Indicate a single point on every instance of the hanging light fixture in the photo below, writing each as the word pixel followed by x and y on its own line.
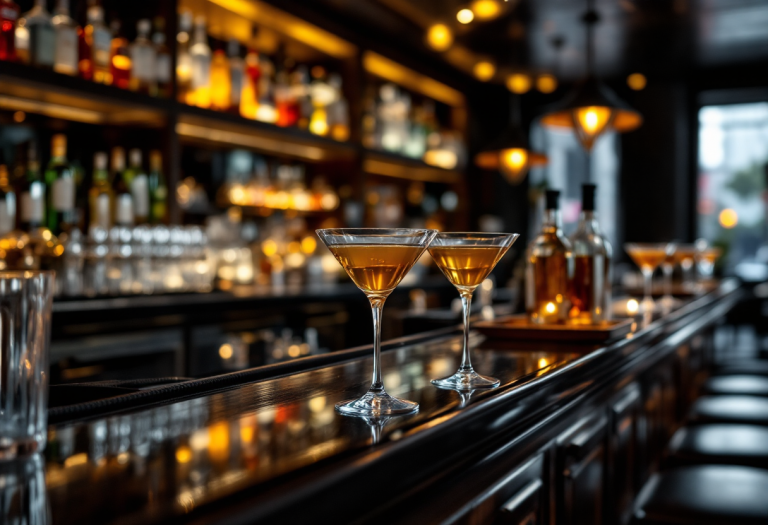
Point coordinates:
pixel 510 152
pixel 592 107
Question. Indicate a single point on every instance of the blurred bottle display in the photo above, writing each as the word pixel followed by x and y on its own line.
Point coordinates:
pixel 163 63
pixel 183 58
pixel 143 60
pixel 236 75
pixel 42 39
pixel 249 98
pixel 221 85
pixel 120 61
pixel 101 198
pixel 121 185
pixel 32 191
pixel 139 186
pixel 7 202
pixel 95 47
pixel 9 17
pixel 60 185
pixel 158 190
pixel 549 268
pixel 200 53
pixel 66 45
pixel 591 284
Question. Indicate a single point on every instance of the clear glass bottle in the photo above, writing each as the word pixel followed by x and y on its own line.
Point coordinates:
pixel 61 187
pixel 9 16
pixel 95 47
pixel 236 75
pixel 221 86
pixel 549 268
pixel 200 53
pixel 158 190
pixel 101 198
pixel 591 283
pixel 139 188
pixel 32 191
pixel 163 63
pixel 66 54
pixel 123 213
pixel 183 58
pixel 143 60
pixel 42 39
pixel 120 61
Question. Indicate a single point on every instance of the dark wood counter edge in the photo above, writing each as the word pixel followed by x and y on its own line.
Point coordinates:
pixel 437 449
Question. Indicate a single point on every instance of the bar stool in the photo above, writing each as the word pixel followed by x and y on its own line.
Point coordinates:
pixel 724 444
pixel 751 410
pixel 750 367
pixel 738 385
pixel 704 495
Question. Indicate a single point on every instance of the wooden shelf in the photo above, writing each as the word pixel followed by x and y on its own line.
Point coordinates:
pixel 211 127
pixel 44 92
pixel 390 165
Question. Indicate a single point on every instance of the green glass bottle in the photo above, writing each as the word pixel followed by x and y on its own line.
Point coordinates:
pixel 101 198
pixel 61 188
pixel 158 191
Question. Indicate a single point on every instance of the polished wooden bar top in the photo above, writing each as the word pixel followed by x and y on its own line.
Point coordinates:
pixel 270 448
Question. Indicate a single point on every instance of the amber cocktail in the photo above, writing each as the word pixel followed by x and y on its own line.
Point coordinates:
pixel 467 259
pixel 376 260
pixel 648 257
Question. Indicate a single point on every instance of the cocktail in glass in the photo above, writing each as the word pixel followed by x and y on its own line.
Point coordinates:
pixel 648 257
pixel 376 259
pixel 467 259
pixel 684 256
pixel 705 261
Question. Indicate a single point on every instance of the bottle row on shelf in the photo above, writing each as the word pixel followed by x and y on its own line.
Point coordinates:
pixel 92 51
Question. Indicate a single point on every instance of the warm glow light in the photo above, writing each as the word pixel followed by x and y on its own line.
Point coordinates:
pixel 439 37
pixel 513 164
pixel 269 247
pixel 225 351
pixel 519 83
pixel 19 117
pixel 486 9
pixel 550 308
pixel 308 245
pixel 632 306
pixel 183 454
pixel 442 158
pixel 546 83
pixel 218 446
pixel 728 218
pixel 590 122
pixel 484 70
pixel 543 363
pixel 637 81
pixel 465 16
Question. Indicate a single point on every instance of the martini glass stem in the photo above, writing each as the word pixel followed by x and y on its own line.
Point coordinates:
pixel 648 281
pixel 377 305
pixel 466 304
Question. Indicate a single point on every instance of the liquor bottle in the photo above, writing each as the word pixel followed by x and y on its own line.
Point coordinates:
pixel 123 213
pixel 158 191
pixel 163 62
pixel 338 111
pixel 139 187
pixel 221 86
pixel 200 53
pixel 7 202
pixel 143 60
pixel 95 47
pixel 266 110
pixel 120 63
pixel 300 85
pixel 65 55
pixel 549 268
pixel 9 16
pixel 60 187
pixel 591 285
pixel 236 75
pixel 32 191
pixel 323 95
pixel 183 58
pixel 100 196
pixel 249 99
pixel 42 40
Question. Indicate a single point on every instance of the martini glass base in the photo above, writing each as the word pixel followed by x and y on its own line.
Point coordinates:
pixel 376 404
pixel 462 380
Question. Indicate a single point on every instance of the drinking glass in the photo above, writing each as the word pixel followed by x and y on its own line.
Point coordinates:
pixel 668 267
pixel 706 257
pixel 647 256
pixel 25 326
pixel 684 256
pixel 466 259
pixel 376 259
pixel 23 498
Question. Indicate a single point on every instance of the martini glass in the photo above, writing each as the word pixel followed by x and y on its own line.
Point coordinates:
pixel 668 267
pixel 684 256
pixel 376 259
pixel 466 259
pixel 706 257
pixel 648 257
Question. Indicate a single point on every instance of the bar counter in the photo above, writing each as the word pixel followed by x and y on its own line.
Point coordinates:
pixel 573 430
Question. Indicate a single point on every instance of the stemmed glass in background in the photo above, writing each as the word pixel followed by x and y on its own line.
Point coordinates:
pixel 684 256
pixel 466 259
pixel 376 259
pixel 668 267
pixel 647 256
pixel 706 256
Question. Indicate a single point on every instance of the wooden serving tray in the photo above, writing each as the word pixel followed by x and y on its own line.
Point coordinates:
pixel 518 327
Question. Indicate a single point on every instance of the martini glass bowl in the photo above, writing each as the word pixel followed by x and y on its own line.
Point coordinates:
pixel 466 259
pixel 376 259
pixel 648 256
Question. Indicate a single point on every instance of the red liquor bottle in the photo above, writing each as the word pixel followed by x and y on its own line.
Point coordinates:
pixel 9 14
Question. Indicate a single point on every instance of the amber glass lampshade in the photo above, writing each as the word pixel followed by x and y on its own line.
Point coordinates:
pixel 591 109
pixel 511 155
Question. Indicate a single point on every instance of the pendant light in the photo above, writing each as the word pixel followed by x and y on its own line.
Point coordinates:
pixel 510 152
pixel 592 107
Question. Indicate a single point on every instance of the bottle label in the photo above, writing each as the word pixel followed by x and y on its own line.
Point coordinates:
pixel 43 44
pixel 236 75
pixel 163 68
pixel 7 213
pixel 124 210
pixel 140 193
pixel 201 71
pixel 101 42
pixel 32 204
pixel 66 50
pixel 63 194
pixel 143 59
pixel 102 215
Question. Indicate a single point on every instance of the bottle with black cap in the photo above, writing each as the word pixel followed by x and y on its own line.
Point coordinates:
pixel 549 268
pixel 591 284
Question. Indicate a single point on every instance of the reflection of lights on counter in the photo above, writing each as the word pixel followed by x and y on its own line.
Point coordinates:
pixel 294 351
pixel 247 429
pixel 199 440
pixel 317 404
pixel 225 351
pixel 77 459
pixel 218 441
pixel 543 363
pixel 632 306
pixel 183 454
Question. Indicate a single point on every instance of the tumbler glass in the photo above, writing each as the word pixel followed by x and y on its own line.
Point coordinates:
pixel 25 327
